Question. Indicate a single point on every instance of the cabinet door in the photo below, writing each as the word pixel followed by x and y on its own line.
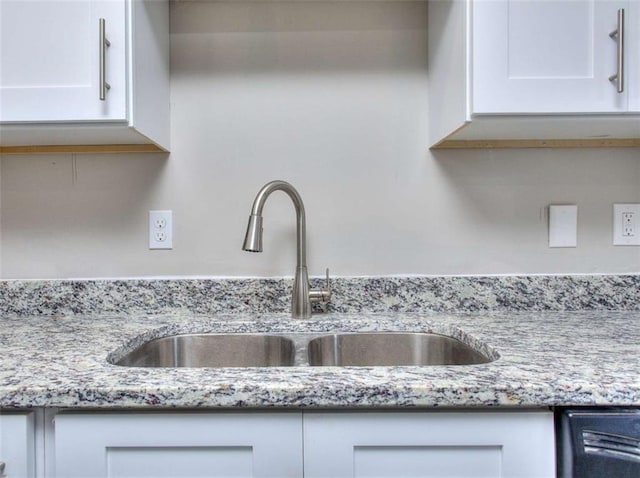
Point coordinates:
pixel 532 56
pixel 632 59
pixel 17 445
pixel 166 445
pixel 429 444
pixel 49 60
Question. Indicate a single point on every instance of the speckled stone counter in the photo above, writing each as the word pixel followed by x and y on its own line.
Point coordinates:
pixel 350 295
pixel 546 358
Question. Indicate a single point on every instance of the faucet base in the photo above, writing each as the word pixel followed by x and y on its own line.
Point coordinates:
pixel 300 302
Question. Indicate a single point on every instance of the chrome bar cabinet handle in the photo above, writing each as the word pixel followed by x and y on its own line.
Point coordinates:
pixel 618 36
pixel 104 43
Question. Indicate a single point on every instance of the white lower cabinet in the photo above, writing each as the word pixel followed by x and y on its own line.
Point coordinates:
pixel 17 452
pixel 330 444
pixel 184 445
pixel 429 444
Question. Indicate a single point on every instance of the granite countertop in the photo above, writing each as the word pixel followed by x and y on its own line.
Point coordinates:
pixel 546 358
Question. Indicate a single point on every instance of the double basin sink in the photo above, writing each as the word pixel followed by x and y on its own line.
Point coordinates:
pixel 273 350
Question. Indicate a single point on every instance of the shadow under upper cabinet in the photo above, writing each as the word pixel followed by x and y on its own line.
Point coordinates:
pixel 305 37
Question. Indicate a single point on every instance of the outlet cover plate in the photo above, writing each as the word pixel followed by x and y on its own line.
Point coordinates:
pixel 160 230
pixel 632 236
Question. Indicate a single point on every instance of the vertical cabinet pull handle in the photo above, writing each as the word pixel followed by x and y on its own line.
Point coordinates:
pixel 2 469
pixel 104 43
pixel 618 36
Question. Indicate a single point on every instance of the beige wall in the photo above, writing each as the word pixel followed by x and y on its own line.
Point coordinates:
pixel 333 98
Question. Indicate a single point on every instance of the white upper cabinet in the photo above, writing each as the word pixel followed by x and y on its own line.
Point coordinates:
pixel 545 57
pixel 534 73
pixel 84 72
pixel 50 68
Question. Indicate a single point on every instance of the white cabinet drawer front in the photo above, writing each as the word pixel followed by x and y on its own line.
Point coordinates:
pixel 427 461
pixel 180 445
pixel 160 462
pixel 429 445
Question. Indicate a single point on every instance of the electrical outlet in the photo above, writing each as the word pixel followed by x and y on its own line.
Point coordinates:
pixel 160 230
pixel 626 224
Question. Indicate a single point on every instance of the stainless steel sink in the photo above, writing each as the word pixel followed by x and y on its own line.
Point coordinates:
pixel 302 349
pixel 391 348
pixel 213 350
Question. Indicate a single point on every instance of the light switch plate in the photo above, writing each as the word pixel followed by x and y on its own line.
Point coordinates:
pixel 563 225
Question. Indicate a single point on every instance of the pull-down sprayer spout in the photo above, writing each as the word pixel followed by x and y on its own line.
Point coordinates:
pixel 302 295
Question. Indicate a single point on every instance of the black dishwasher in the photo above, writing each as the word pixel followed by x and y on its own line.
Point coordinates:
pixel 598 442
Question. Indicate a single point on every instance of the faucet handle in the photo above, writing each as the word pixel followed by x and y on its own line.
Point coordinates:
pixel 328 281
pixel 323 294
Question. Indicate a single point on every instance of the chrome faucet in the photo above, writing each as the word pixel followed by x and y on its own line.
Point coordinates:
pixel 303 295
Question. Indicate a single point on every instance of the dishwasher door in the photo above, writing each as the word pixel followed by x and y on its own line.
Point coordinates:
pixel 598 442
